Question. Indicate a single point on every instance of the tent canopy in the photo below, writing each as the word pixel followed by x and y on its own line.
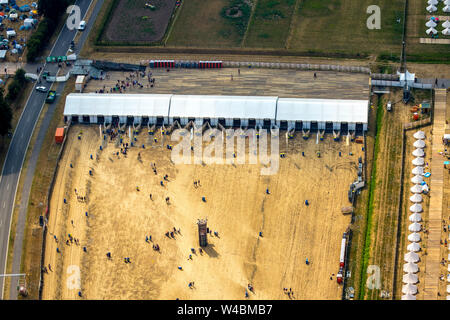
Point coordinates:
pixel 414 237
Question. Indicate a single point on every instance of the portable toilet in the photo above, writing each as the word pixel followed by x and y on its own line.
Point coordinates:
pixel 28 23
pixel 59 135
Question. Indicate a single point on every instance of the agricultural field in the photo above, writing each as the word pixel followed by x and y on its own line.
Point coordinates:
pixel 134 21
pixel 121 215
pixel 202 24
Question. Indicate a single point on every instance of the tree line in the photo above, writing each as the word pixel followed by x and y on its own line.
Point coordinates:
pixel 14 89
pixel 52 10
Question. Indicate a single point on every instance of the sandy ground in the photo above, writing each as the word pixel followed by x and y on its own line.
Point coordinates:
pixel 237 207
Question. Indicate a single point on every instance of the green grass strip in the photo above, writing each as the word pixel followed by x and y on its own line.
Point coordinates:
pixel 372 187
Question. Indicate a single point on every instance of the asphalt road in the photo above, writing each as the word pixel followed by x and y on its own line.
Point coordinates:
pixel 20 141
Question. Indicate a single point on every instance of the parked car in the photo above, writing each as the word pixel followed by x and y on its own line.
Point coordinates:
pixel 389 106
pixel 41 89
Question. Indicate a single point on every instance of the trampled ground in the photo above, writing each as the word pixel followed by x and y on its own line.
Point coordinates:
pixel 237 207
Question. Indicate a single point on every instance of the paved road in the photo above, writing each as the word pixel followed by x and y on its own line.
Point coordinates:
pixel 19 144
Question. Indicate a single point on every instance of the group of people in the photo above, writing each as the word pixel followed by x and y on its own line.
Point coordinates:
pixel 131 81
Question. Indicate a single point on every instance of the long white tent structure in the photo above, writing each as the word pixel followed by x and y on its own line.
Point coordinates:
pixel 288 113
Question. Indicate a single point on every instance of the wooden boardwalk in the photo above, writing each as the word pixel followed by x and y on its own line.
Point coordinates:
pixel 434 41
pixel 433 257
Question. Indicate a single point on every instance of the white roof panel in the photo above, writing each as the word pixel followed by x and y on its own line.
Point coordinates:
pixel 322 110
pixel 228 107
pixel 151 105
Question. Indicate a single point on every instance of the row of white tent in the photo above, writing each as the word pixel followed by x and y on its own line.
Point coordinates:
pixel 431 25
pixel 432 5
pixel 411 258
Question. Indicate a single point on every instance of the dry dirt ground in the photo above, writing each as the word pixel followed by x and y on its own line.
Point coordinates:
pixel 237 207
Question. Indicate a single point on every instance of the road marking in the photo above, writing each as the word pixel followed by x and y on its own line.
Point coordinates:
pixel 4 204
pixel 7 187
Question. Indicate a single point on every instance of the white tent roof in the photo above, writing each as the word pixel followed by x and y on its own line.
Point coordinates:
pixel 431 30
pixel 415 227
pixel 408 297
pixel 447 2
pixel 446 31
pixel 417 179
pixel 322 110
pixel 414 237
pixel 411 257
pixel 446 8
pixel 419 135
pixel 448 289
pixel 410 267
pixel 431 23
pixel 416 207
pixel 416 188
pixel 415 217
pixel 418 153
pixel 409 289
pixel 151 105
pixel 418 161
pixel 416 198
pixel 410 277
pixel 419 144
pixel 446 23
pixel 433 2
pixel 417 171
pixel 414 247
pixel 425 187
pixel 228 107
pixel 431 8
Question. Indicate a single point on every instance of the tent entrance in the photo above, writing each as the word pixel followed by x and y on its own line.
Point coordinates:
pixel 100 119
pixel 130 120
pixel 283 125
pixel 266 123
pixel 236 122
pixel 145 121
pixel 252 122
pixel 86 119
pixel 159 121
pixel 298 125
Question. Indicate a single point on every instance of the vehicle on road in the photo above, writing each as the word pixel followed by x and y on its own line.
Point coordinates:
pixel 51 96
pixel 389 106
pixel 41 89
pixel 82 25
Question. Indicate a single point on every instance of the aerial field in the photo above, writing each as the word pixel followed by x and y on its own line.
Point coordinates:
pixel 237 207
pixel 132 21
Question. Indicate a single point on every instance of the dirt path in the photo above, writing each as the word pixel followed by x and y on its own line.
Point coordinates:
pixel 120 217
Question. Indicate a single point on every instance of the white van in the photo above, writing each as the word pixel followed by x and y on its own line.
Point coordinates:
pixel 389 106
pixel 82 25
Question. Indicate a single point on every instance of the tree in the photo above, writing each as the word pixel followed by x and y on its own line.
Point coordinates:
pixel 5 115
pixel 52 9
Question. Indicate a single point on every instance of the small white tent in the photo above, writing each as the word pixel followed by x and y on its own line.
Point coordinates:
pixel 425 188
pixel 447 2
pixel 446 8
pixel 446 23
pixel 431 30
pixel 418 161
pixel 414 237
pixel 413 246
pixel 408 297
pixel 419 144
pixel 431 8
pixel 416 207
pixel 431 24
pixel 418 153
pixel 409 289
pixel 419 135
pixel 446 32
pixel 411 257
pixel 410 267
pixel 418 171
pixel 410 277
pixel 433 2
pixel 415 217
pixel 416 188
pixel 417 179
pixel 414 227
pixel 416 198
